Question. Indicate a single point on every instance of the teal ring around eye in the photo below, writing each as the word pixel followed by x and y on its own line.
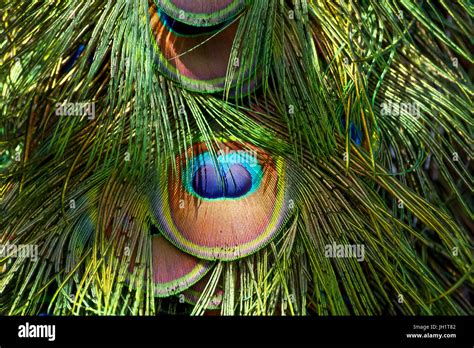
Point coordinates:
pixel 225 161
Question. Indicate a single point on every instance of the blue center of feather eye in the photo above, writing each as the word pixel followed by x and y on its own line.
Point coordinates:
pixel 230 176
pixel 233 183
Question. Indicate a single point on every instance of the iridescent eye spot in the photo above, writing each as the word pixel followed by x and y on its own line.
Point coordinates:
pixel 211 183
pixel 190 34
pixel 231 176
pixel 222 204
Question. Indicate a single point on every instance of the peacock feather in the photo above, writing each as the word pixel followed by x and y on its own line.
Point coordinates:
pixel 244 157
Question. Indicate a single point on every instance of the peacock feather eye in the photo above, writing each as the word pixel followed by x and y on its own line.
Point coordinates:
pixel 222 207
pixel 173 270
pixel 194 44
